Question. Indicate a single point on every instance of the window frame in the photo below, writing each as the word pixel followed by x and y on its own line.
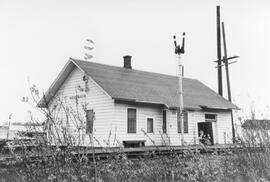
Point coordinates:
pixel 210 120
pixel 132 132
pixel 164 127
pixel 149 117
pixel 87 122
pixel 179 129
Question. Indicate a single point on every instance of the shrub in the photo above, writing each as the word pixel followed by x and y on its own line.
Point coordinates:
pixel 61 157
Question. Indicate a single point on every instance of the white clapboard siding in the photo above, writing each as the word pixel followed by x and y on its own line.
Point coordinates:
pixel 95 99
pixel 110 124
pixel 194 117
pixel 142 114
pixel 222 130
pixel 175 137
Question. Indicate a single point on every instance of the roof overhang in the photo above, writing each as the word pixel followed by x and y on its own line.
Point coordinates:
pixel 46 98
pixel 71 64
pixel 203 107
pixel 140 103
pixel 185 108
pixel 161 105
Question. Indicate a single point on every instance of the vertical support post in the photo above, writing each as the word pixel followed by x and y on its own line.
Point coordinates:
pixel 180 87
pixel 226 62
pixel 227 76
pixel 178 52
pixel 220 92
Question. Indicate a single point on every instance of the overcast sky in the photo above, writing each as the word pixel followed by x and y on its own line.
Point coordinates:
pixel 37 38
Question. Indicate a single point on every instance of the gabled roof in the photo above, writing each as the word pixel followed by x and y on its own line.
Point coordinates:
pixel 144 87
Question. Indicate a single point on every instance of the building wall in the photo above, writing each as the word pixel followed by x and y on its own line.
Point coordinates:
pixel 110 124
pixel 222 128
pixel 95 99
pixel 141 131
pixel 224 125
pixel 175 137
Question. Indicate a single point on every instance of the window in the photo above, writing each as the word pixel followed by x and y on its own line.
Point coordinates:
pixel 185 122
pixel 131 120
pixel 210 117
pixel 164 126
pixel 90 115
pixel 150 125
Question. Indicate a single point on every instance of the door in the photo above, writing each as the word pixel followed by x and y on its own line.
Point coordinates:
pixel 205 133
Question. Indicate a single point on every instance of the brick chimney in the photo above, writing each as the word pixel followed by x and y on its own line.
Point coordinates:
pixel 127 62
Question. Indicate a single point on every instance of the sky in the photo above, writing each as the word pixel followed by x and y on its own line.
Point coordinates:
pixel 38 37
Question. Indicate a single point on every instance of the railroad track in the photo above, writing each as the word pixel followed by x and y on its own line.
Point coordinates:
pixel 148 151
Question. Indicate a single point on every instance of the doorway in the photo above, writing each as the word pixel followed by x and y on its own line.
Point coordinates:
pixel 205 133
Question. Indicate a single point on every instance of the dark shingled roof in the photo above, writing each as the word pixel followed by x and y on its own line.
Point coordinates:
pixel 148 87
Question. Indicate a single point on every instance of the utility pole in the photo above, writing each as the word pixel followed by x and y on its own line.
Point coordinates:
pixel 220 92
pixel 178 51
pixel 225 60
pixel 226 63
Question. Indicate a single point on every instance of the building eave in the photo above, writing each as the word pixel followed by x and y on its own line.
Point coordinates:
pixel 140 103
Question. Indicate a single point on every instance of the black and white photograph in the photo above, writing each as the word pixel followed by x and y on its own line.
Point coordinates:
pixel 134 91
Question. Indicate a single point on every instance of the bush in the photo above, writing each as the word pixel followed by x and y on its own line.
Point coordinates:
pixel 61 157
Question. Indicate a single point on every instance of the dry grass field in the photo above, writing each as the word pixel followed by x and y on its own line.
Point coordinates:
pixel 72 163
pixel 62 164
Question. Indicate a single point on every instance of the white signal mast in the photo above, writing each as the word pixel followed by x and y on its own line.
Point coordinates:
pixel 178 51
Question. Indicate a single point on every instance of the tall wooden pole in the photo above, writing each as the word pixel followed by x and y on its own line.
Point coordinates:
pixel 220 92
pixel 178 52
pixel 181 104
pixel 227 75
pixel 226 62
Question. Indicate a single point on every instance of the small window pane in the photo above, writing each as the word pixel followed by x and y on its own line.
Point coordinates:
pixel 89 121
pixel 150 125
pixel 185 122
pixel 164 126
pixel 179 124
pixel 210 117
pixel 131 121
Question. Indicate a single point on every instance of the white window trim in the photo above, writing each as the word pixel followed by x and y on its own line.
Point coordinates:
pixel 150 117
pixel 136 120
pixel 167 113
pixel 209 119
pixel 188 114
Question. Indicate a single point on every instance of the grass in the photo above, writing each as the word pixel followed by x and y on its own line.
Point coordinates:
pixel 63 164
pixel 72 163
